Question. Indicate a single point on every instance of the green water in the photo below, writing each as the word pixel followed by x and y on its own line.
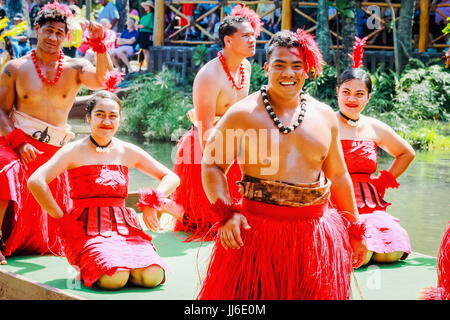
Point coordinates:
pixel 422 202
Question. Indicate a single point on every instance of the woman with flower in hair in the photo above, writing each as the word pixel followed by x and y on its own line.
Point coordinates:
pixel 360 137
pixel 100 236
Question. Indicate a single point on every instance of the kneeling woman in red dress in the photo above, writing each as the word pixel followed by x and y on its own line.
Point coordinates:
pixel 101 237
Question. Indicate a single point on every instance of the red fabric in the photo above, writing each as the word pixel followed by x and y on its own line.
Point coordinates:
pixel 309 53
pixel 100 237
pixel 383 234
pixel 442 291
pixel 383 181
pixel 198 217
pixel 188 10
pixel 361 158
pixel 33 231
pixel 288 253
pixel 15 138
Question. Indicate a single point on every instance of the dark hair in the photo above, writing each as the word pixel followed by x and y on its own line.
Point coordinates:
pixel 284 38
pixel 355 73
pixel 100 95
pixel 228 27
pixel 51 15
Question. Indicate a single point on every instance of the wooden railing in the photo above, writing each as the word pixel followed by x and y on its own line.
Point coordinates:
pixel 289 9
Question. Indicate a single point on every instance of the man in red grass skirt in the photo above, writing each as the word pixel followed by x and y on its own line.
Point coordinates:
pixel 219 84
pixel 282 241
pixel 37 92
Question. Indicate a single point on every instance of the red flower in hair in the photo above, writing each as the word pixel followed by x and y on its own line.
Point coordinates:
pixel 250 15
pixel 309 53
pixel 112 80
pixel 358 52
pixel 58 6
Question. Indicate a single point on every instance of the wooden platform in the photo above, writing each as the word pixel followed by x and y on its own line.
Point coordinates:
pixel 52 278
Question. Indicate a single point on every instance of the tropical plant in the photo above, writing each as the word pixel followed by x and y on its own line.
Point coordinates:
pixel 258 77
pixel 200 55
pixel 155 108
pixel 324 86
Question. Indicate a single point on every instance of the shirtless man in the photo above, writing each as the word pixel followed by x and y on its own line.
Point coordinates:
pixel 219 84
pixel 36 94
pixel 282 242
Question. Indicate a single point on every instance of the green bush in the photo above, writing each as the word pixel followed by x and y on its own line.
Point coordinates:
pixel 258 77
pixel 156 107
pixel 323 87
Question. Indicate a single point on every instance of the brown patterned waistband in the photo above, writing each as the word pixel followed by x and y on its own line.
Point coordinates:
pixel 285 193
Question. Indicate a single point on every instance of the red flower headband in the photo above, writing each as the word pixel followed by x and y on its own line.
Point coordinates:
pixel 250 15
pixel 308 51
pixel 358 52
pixel 112 80
pixel 58 6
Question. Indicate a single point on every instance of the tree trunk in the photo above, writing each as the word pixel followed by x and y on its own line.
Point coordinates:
pixel 123 6
pixel 323 30
pixel 348 32
pixel 404 33
pixel 15 7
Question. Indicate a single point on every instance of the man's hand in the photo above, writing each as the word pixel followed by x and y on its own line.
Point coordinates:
pixel 151 219
pixel 95 30
pixel 230 232
pixel 359 252
pixel 28 153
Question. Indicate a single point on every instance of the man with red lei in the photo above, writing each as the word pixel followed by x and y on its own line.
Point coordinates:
pixel 282 240
pixel 37 92
pixel 220 83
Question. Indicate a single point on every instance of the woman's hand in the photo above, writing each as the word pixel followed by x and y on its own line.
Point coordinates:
pixel 151 219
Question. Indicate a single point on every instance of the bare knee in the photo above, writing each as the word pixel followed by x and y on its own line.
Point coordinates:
pixel 114 282
pixel 368 258
pixel 149 277
pixel 387 257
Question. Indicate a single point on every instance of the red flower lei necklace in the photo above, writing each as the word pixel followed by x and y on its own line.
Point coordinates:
pixel 39 71
pixel 241 72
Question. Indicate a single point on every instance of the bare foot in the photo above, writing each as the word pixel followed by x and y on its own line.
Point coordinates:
pixel 171 207
pixel 2 259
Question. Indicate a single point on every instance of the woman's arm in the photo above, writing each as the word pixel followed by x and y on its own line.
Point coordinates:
pixel 39 180
pixel 396 146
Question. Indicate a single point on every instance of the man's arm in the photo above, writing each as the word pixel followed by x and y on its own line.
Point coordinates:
pixel 204 94
pixel 214 179
pixel 7 97
pixel 335 169
pixel 90 76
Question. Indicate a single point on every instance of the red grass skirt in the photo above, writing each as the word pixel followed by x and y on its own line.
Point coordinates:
pixel 442 291
pixel 28 229
pixel 119 247
pixel 198 217
pixel 288 254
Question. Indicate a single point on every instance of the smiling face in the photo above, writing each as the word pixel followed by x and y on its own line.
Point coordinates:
pixel 353 96
pixel 51 36
pixel 285 72
pixel 243 41
pixel 104 119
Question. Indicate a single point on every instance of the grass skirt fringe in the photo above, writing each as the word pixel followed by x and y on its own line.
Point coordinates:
pixel 289 253
pixel 198 217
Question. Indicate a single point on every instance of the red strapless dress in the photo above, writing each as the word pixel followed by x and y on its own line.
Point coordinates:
pixel 384 233
pixel 100 235
pixel 198 217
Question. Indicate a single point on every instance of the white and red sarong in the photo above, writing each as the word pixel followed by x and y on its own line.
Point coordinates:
pixel 27 228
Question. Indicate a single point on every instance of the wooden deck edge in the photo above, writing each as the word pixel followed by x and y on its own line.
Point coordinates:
pixel 17 287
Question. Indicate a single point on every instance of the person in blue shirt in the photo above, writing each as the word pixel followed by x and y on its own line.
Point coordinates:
pixel 110 12
pixel 125 45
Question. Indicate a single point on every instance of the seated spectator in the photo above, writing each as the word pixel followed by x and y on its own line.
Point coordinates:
pixel 125 46
pixel 20 42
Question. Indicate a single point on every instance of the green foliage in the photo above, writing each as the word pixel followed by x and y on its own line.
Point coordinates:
pixel 258 77
pixel 424 93
pixel 199 56
pixel 156 108
pixel 384 82
pixel 345 7
pixel 324 86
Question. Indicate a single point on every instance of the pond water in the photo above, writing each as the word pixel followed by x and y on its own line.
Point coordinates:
pixel 422 202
